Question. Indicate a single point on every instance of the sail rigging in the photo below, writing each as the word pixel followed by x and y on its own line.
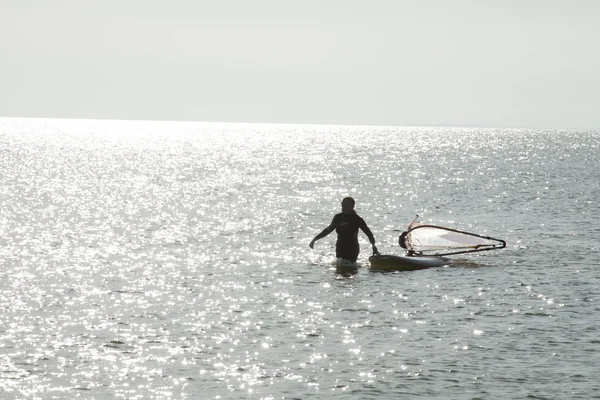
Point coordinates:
pixel 433 240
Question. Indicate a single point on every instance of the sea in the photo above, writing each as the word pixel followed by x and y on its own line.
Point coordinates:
pixel 170 260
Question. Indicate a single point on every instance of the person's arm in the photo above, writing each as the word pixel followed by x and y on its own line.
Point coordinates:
pixel 367 231
pixel 324 233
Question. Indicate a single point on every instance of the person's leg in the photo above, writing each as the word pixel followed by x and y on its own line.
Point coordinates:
pixel 347 251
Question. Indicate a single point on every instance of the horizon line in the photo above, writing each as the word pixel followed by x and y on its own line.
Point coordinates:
pixel 310 123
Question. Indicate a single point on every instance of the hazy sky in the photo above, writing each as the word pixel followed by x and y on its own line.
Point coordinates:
pixel 505 63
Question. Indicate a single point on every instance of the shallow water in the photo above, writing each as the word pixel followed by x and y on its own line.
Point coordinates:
pixel 158 260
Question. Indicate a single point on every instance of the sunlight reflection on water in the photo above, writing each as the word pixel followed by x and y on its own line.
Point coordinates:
pixel 170 260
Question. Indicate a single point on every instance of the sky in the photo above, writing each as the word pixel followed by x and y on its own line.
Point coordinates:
pixel 486 63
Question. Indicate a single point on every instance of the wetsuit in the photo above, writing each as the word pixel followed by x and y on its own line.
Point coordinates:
pixel 346 226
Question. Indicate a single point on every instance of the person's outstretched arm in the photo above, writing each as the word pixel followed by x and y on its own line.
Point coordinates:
pixel 367 231
pixel 324 233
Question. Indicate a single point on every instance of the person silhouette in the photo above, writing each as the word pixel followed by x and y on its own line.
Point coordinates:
pixel 346 224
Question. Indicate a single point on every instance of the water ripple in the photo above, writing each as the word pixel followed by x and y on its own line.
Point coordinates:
pixel 170 260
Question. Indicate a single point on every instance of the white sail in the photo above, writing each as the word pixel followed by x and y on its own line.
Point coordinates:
pixel 437 240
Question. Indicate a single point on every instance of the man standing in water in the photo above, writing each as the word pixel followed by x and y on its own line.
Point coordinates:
pixel 346 225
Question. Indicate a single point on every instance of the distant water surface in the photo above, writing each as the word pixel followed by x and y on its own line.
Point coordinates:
pixel 153 260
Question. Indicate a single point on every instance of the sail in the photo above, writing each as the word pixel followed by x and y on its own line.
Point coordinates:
pixel 441 241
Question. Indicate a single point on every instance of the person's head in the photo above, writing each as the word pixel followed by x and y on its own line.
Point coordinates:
pixel 348 204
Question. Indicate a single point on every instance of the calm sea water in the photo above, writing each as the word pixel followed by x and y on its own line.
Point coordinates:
pixel 147 260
